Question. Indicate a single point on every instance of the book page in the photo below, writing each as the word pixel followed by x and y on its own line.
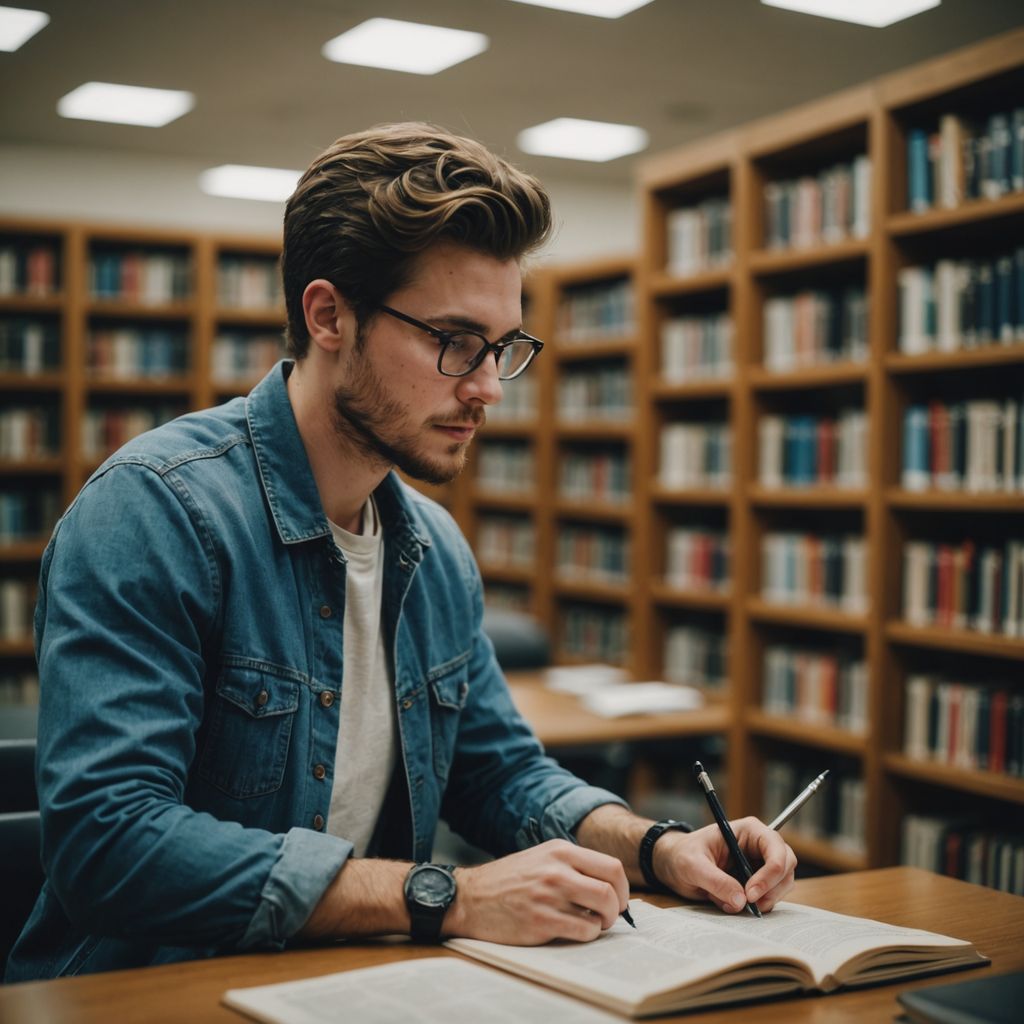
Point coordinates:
pixel 827 941
pixel 435 990
pixel 626 967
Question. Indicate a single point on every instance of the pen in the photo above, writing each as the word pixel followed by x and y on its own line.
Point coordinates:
pixel 627 917
pixel 723 825
pixel 797 802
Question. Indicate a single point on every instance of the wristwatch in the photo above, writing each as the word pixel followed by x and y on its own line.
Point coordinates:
pixel 653 834
pixel 429 891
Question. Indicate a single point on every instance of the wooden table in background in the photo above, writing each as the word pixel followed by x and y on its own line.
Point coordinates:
pixel 191 992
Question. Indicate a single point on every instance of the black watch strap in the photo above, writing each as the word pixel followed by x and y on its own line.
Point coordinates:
pixel 653 834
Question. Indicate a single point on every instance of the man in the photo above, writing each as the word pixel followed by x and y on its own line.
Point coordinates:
pixel 262 667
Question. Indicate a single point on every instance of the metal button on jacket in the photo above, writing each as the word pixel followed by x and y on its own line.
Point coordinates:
pixel 326 698
pixel 318 822
pixel 319 771
pixel 325 611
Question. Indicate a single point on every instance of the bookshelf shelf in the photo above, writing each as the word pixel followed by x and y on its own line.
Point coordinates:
pixel 765 262
pixel 760 610
pixel 51 466
pixel 820 735
pixel 510 428
pixel 612 430
pixel 672 597
pixel 23 550
pixel 596 349
pixel 953 501
pixel 987 784
pixel 506 573
pixel 810 497
pixel 824 854
pixel 692 496
pixel 599 511
pixel 270 318
pixel 31 381
pixel 673 391
pixel 933 362
pixel 808 377
pixel 671 285
pixel 45 304
pixel 968 214
pixel 174 386
pixel 17 648
pixel 956 640
pixel 124 310
pixel 590 590
pixel 515 500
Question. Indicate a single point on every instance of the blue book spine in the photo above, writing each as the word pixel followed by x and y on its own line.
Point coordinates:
pixel 916 476
pixel 1017 149
pixel 918 177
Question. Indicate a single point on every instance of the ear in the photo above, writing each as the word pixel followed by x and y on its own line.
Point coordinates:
pixel 329 318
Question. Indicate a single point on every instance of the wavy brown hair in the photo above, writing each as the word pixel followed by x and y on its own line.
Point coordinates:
pixel 371 203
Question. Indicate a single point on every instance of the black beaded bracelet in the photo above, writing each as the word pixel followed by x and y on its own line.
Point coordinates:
pixel 653 834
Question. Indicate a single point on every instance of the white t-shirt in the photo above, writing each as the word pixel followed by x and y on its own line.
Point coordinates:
pixel 365 755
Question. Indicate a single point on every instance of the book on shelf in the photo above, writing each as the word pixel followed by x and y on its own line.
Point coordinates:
pixel 691 957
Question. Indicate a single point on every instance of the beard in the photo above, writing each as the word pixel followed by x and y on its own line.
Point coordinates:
pixel 365 418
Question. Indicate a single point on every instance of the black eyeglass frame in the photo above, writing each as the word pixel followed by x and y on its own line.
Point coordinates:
pixel 486 347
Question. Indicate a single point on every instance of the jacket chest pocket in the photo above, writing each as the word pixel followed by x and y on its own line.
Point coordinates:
pixel 449 688
pixel 246 749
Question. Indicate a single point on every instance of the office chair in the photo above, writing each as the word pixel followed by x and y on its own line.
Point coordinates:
pixel 21 872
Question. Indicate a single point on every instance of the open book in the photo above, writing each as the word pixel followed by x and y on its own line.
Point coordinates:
pixel 690 957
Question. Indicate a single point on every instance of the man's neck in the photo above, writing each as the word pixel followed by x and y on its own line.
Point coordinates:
pixel 344 477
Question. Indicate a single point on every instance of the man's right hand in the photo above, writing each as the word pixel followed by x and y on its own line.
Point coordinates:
pixel 553 891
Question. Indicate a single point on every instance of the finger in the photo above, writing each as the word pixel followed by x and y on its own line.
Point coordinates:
pixel 779 891
pixel 578 924
pixel 599 898
pixel 601 867
pixel 775 854
pixel 722 889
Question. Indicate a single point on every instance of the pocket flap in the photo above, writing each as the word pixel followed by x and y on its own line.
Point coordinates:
pixel 450 691
pixel 259 694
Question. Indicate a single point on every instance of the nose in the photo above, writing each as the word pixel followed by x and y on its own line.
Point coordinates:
pixel 482 385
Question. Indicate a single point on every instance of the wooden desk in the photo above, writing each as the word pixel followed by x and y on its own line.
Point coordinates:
pixel 560 720
pixel 191 991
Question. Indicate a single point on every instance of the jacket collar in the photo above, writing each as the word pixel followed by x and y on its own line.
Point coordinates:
pixel 287 477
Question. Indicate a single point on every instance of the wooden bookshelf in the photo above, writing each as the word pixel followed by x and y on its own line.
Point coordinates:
pixel 876 120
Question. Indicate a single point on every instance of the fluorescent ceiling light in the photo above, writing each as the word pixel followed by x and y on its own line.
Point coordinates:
pixel 404 46
pixel 874 13
pixel 598 8
pixel 18 26
pixel 125 104
pixel 238 181
pixel 574 139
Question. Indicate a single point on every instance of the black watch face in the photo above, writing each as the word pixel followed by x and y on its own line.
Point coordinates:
pixel 431 886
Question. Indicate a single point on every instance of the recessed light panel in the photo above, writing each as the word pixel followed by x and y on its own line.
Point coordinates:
pixel 404 46
pixel 598 8
pixel 873 13
pixel 125 104
pixel 18 25
pixel 239 181
pixel 574 139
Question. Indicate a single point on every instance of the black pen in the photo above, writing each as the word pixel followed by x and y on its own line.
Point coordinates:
pixel 723 826
pixel 627 917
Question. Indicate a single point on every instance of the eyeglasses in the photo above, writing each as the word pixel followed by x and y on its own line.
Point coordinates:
pixel 463 351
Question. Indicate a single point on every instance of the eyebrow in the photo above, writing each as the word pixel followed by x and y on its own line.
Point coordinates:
pixel 469 324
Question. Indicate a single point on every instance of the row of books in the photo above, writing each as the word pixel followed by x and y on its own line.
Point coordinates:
pixel 975 446
pixel 29 345
pixel 829 207
pixel 836 814
pixel 29 432
pixel 28 514
pixel 820 687
pixel 244 355
pixel 248 282
pixel 596 311
pixel 968 585
pixel 19 689
pixel 595 476
pixel 698 559
pixel 965 159
pixel 815 327
pixel 817 570
pixel 507 596
pixel 601 392
pixel 697 348
pixel 695 455
pixel 126 353
pixel 811 451
pixel 519 401
pixel 699 237
pixel 960 304
pixel 29 267
pixel 506 540
pixel 964 849
pixel 17 605
pixel 506 466
pixel 696 656
pixel 144 276
pixel 107 428
pixel 966 725
pixel 599 554
pixel 593 633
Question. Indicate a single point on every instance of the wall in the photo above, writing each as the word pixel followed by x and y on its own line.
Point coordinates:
pixel 141 189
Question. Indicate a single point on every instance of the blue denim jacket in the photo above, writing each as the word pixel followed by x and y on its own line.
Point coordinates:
pixel 189 638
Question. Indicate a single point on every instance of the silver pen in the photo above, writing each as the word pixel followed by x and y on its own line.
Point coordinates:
pixel 797 802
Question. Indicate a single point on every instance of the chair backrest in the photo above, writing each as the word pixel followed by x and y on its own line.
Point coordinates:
pixel 520 641
pixel 21 871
